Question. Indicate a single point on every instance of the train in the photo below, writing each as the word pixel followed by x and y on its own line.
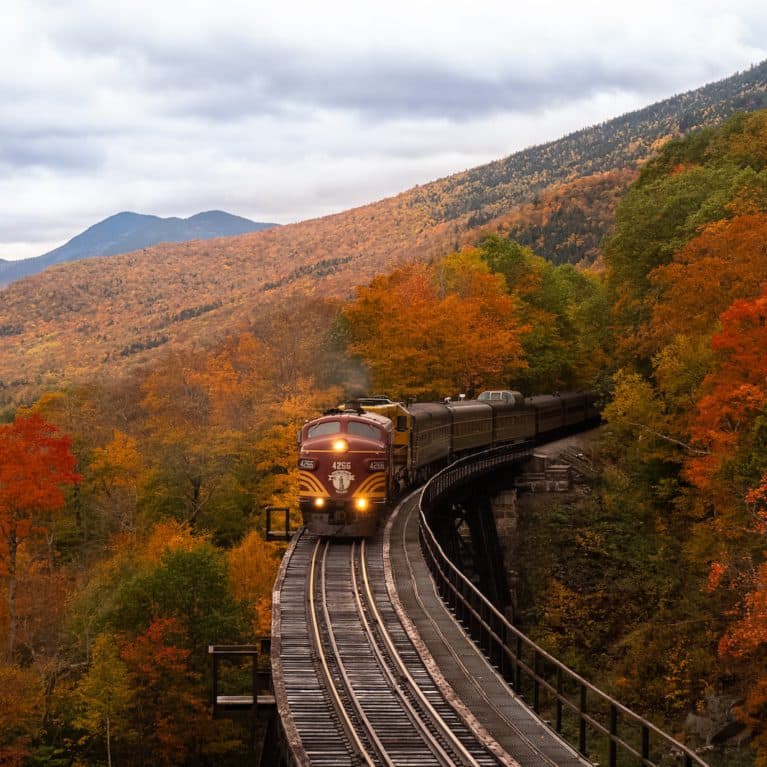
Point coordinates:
pixel 356 459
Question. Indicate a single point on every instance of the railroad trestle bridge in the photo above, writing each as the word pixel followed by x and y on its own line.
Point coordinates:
pixel 385 653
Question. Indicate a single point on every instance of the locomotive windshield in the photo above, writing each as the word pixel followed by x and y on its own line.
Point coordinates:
pixel 361 429
pixel 324 428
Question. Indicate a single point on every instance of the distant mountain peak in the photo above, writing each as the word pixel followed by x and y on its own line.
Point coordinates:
pixel 126 231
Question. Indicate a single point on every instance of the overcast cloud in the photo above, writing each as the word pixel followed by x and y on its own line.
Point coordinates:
pixel 291 110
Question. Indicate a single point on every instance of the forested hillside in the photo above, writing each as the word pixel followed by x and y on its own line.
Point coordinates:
pixel 662 590
pixel 623 142
pixel 132 496
pixel 112 315
pixel 125 232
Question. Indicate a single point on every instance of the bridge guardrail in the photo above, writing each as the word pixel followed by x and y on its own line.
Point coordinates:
pixel 550 686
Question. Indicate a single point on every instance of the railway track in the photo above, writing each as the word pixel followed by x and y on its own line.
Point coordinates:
pixel 357 690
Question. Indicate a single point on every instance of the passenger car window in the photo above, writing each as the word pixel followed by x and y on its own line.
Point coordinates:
pixel 326 427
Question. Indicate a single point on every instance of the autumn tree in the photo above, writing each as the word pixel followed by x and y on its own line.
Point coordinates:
pixel 192 455
pixel 431 330
pixel 101 594
pixel 565 345
pixel 253 567
pixel 736 390
pixel 190 586
pixel 21 708
pixel 35 465
pixel 106 425
pixel 237 376
pixel 703 178
pixel 41 594
pixel 654 220
pixel 725 262
pixel 167 710
pixel 104 694
pixel 745 640
pixel 300 344
pixel 141 624
pixel 114 476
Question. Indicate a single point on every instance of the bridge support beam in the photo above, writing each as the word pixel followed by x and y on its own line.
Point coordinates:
pixel 468 534
pixel 505 511
pixel 488 559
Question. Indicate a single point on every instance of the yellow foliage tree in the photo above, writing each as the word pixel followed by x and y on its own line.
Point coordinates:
pixel 114 475
pixel 104 694
pixel 252 567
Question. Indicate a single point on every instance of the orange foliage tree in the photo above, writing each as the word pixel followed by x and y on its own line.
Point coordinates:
pixel 749 633
pixel 435 330
pixel 21 707
pixel 735 398
pixel 35 463
pixel 725 262
pixel 746 639
pixel 166 710
pixel 736 389
pixel 253 566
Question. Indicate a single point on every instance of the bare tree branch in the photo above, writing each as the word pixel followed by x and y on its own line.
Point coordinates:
pixel 687 447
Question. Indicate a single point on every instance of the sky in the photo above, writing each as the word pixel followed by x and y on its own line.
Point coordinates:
pixel 284 111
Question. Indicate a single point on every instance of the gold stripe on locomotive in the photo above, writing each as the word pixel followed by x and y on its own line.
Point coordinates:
pixel 308 484
pixel 374 486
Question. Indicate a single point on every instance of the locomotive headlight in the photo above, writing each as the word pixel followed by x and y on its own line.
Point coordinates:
pixel 319 502
pixel 361 504
pixel 340 446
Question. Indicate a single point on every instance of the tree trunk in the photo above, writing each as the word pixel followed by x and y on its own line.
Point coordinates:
pixel 13 545
pixel 109 745
pixel 196 502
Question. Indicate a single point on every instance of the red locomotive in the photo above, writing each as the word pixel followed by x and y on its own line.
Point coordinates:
pixel 353 460
pixel 345 464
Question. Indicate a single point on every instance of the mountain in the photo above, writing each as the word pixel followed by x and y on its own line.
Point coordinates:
pixel 125 232
pixel 106 316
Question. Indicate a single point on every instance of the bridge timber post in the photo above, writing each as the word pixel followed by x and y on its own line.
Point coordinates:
pixel 488 552
pixel 505 512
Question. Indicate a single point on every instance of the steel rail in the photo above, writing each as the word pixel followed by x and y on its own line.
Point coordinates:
pixel 429 740
pixel 436 718
pixel 346 721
